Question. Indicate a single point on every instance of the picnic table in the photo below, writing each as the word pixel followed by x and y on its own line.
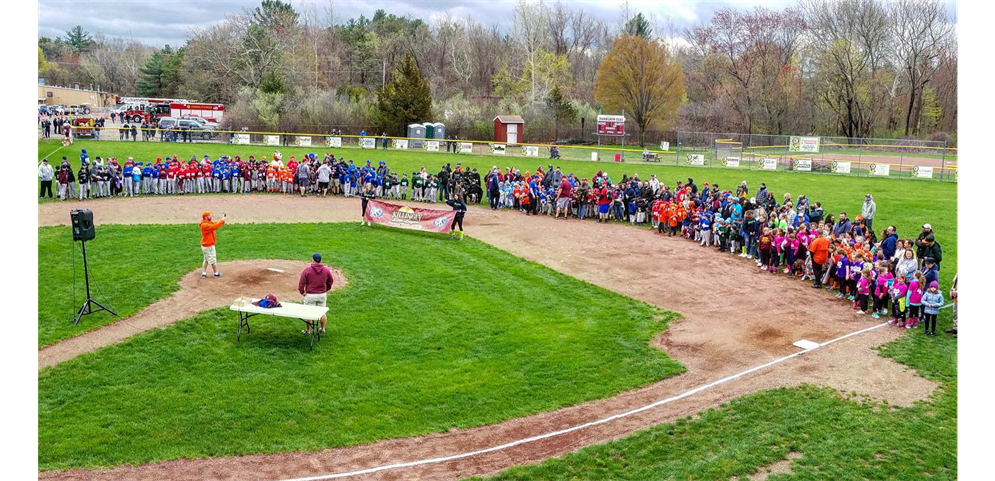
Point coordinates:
pixel 308 314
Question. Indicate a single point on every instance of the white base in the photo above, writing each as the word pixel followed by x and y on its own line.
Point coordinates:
pixel 806 344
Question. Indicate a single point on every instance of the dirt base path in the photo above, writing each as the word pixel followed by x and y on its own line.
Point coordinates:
pixel 729 326
pixel 195 295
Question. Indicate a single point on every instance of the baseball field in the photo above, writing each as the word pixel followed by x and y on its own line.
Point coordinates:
pixel 538 348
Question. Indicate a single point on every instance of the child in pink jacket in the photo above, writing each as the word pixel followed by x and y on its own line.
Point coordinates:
pixel 864 289
pixel 898 293
pixel 881 286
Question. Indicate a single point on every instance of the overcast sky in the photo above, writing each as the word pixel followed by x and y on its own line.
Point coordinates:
pixel 170 21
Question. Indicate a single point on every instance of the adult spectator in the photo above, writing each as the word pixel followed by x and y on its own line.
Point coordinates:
pixel 315 282
pixel 691 184
pixel 494 188
pixel 45 173
pixel 927 232
pixel 303 177
pixel 842 226
pixel 763 195
pixel 819 247
pixel 563 196
pixel 816 214
pixel 931 249
pixel 324 177
pixel 868 211
pixel 113 116
pixel 444 183
pixel 890 239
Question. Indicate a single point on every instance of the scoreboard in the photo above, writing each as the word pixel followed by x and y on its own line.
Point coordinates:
pixel 611 125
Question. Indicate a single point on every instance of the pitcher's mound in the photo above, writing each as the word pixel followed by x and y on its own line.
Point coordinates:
pixel 255 278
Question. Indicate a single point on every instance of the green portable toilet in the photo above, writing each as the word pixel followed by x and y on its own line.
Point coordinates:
pixel 429 130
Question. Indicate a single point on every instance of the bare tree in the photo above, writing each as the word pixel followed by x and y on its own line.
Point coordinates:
pixel 530 33
pixel 560 19
pixel 921 32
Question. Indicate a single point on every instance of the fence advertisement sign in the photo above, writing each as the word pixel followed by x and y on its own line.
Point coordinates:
pixel 731 161
pixel 696 159
pixel 304 141
pixel 368 143
pixel 498 149
pixel 665 146
pixel 242 139
pixel 530 150
pixel 335 141
pixel 768 163
pixel 400 143
pixel 922 172
pixel 808 145
pixel 271 139
pixel 466 147
pixel 841 167
pixel 432 145
pixel 883 170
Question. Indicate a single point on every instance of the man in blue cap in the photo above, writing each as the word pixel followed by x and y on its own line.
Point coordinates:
pixel 315 282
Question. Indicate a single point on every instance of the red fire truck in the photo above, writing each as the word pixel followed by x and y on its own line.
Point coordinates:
pixel 151 112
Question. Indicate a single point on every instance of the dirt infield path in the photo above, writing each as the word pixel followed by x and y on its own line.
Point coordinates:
pixel 195 295
pixel 729 326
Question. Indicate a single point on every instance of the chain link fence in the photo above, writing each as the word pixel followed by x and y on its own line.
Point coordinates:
pixel 865 157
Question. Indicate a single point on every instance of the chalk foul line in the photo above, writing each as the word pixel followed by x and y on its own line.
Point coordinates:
pixel 578 427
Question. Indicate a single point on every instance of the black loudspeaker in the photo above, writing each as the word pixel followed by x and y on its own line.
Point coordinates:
pixel 82 220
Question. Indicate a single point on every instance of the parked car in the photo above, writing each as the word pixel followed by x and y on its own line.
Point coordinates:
pixel 207 131
pixel 200 121
pixel 58 109
pixel 43 110
pixel 167 123
pixel 79 109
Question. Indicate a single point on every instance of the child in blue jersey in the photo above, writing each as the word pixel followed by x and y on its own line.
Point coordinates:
pixel 705 228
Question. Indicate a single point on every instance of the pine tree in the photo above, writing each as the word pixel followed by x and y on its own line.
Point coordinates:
pixel 79 39
pixel 638 26
pixel 405 100
pixel 160 76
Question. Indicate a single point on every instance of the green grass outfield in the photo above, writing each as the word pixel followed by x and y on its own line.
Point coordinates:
pixel 429 334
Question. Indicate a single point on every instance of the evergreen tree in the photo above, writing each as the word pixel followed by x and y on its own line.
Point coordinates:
pixel 160 76
pixel 79 39
pixel 405 100
pixel 638 26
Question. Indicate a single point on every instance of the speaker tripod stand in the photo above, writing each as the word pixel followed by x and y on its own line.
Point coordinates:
pixel 89 303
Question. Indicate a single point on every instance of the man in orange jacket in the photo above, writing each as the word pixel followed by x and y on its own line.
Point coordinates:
pixel 819 247
pixel 207 241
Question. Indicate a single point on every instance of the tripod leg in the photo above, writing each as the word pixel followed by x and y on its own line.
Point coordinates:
pixel 80 313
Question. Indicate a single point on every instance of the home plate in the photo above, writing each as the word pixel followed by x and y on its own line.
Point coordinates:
pixel 806 344
pixel 274 269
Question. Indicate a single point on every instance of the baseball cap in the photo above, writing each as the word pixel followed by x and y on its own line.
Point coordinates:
pixel 927 226
pixel 868 196
pixel 205 214
pixel 929 260
pixel 316 257
pixel 44 160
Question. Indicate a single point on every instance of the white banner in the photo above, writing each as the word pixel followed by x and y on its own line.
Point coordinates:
pixel 883 170
pixel 466 147
pixel 731 161
pixel 335 141
pixel 665 146
pixel 271 139
pixel 241 139
pixel 696 159
pixel 803 165
pixel 498 149
pixel 368 143
pixel 400 143
pixel 768 163
pixel 803 144
pixel 841 167
pixel 530 150
pixel 432 145
pixel 304 141
pixel 922 171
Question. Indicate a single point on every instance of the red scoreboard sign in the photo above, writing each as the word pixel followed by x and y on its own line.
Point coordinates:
pixel 611 125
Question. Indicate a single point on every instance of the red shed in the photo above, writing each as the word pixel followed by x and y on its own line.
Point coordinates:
pixel 508 129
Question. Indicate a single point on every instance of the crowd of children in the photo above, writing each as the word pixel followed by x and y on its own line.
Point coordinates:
pixel 779 235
